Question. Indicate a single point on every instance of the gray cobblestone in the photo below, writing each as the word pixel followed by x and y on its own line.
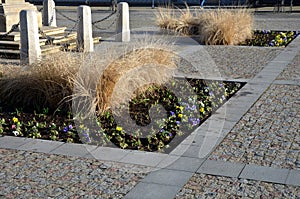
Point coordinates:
pixel 268 135
pixel 36 175
pixel 209 186
pixel 292 71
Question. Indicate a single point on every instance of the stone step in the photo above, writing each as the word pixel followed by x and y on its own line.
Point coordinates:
pixel 59 38
pixel 12 45
pixel 13 51
pixel 9 54
pixel 50 31
pixel 12 1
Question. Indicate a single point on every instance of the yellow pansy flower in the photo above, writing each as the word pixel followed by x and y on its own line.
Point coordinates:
pixel 201 110
pixel 119 128
pixel 179 115
pixel 15 120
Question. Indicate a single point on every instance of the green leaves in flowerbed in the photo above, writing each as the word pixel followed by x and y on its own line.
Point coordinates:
pixel 268 38
pixel 158 119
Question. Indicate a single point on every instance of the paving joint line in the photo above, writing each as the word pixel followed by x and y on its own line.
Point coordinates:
pixel 261 75
pixel 269 83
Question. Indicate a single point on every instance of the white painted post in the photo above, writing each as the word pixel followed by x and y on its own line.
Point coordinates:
pixel 84 29
pixel 122 30
pixel 49 13
pixel 30 51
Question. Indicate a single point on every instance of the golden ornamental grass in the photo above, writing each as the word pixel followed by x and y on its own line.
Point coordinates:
pixel 42 85
pixel 213 27
pixel 137 69
pixel 91 82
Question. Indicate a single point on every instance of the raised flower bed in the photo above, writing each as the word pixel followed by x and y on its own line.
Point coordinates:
pixel 182 117
pixel 268 38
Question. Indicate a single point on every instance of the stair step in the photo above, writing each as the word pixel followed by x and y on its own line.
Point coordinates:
pixel 49 31
pixel 10 54
pixel 12 45
pixel 12 51
pixel 13 36
pixel 59 38
pixel 50 49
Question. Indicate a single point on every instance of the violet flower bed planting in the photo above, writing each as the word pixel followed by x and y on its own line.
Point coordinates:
pixel 161 119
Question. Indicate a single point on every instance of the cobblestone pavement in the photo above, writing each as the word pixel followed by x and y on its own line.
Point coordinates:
pixel 241 62
pixel 38 175
pixel 209 186
pixel 269 133
pixel 292 71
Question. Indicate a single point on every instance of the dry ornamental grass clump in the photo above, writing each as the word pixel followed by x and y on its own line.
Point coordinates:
pixel 45 84
pixel 212 27
pixel 124 76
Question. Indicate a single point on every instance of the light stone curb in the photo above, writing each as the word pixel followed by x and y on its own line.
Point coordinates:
pixel 169 180
pixel 221 168
pixel 267 174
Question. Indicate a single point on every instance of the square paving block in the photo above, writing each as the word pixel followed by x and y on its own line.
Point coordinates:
pixel 152 191
pixel 182 163
pixel 267 174
pixel 144 158
pixel 293 178
pixel 221 168
pixel 109 153
pixel 11 142
pixel 72 149
pixel 44 146
pixel 168 177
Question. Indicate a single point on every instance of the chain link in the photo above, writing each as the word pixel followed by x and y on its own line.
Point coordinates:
pixel 13 28
pixel 65 16
pixel 105 18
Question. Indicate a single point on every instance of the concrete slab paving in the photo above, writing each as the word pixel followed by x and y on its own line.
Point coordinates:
pixel 151 190
pixel 44 146
pixel 267 174
pixel 168 177
pixel 293 178
pixel 151 159
pixel 181 163
pixel 109 154
pixel 72 149
pixel 221 168
pixel 10 142
pixel 184 160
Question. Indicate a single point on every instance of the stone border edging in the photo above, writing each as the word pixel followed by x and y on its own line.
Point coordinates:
pixel 184 159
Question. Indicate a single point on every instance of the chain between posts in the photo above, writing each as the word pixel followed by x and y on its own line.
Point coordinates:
pixel 107 17
pixel 13 28
pixel 65 16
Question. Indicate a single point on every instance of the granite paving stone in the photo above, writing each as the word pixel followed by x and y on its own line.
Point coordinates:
pixel 25 174
pixel 268 134
pixel 210 186
pixel 292 71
